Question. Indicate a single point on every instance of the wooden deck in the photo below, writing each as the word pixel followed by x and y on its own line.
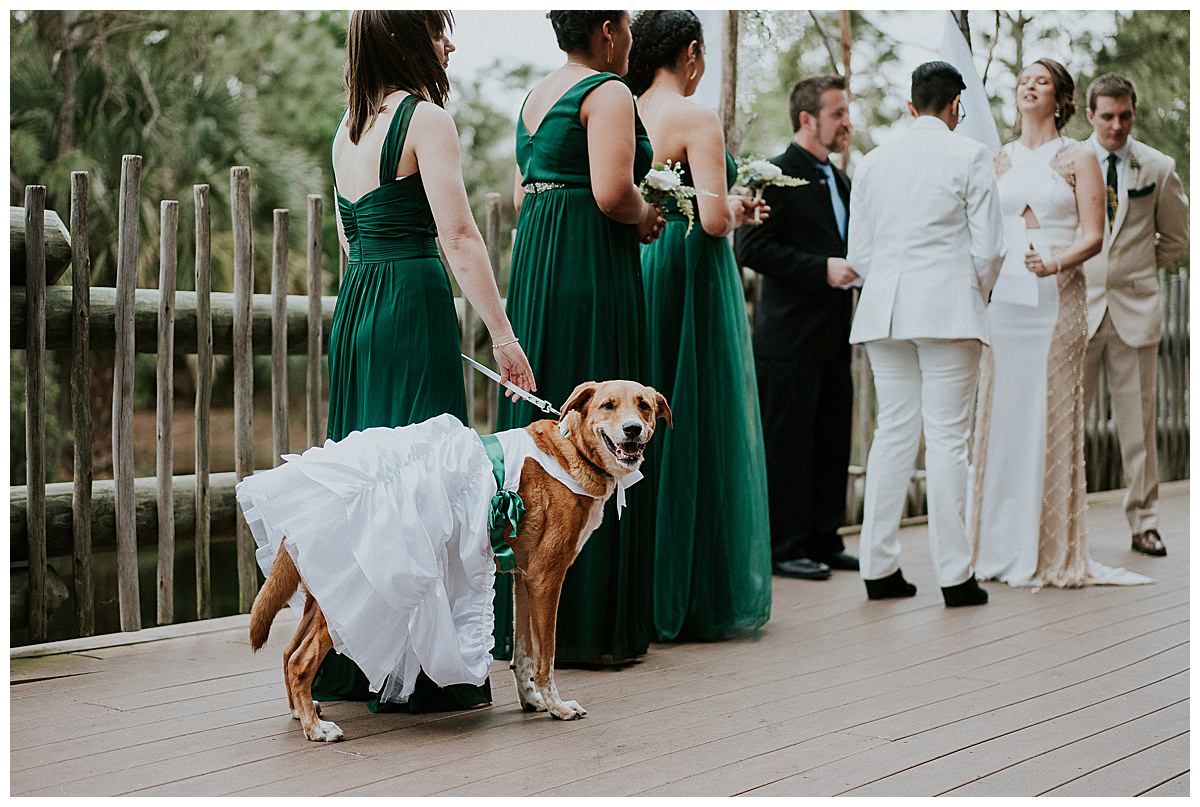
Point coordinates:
pixel 1079 692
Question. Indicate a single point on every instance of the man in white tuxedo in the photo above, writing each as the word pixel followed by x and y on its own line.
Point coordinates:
pixel 926 236
pixel 1146 227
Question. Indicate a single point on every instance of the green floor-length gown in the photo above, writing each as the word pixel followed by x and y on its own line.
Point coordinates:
pixel 712 538
pixel 393 357
pixel 575 300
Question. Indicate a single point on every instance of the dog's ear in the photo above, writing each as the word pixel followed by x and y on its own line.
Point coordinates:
pixel 580 397
pixel 661 409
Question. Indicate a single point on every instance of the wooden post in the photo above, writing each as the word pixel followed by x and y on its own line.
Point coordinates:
pixel 279 379
pixel 729 54
pixel 81 410
pixel 844 24
pixel 165 417
pixel 243 372
pixel 122 416
pixel 492 223
pixel 204 361
pixel 35 407
pixel 313 381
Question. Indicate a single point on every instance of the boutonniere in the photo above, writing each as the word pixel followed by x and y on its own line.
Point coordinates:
pixel 1134 162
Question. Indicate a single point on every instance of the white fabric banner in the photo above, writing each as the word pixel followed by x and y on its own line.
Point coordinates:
pixel 978 124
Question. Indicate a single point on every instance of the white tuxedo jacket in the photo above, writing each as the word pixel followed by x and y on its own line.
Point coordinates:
pixel 1149 231
pixel 925 235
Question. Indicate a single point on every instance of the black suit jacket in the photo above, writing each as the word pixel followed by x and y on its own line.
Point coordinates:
pixel 799 316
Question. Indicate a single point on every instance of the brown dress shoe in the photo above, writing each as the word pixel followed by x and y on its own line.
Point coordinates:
pixel 1149 543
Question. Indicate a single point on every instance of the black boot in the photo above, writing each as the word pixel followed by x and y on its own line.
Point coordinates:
pixel 885 588
pixel 966 593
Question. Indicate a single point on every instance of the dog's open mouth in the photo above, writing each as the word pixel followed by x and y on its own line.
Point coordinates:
pixel 628 452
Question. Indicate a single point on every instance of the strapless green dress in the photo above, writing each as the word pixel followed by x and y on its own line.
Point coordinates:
pixel 575 300
pixel 393 358
pixel 712 542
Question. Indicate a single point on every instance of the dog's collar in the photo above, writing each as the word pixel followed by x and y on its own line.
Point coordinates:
pixel 524 446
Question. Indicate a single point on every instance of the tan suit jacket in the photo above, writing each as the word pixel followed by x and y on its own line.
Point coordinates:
pixel 1149 231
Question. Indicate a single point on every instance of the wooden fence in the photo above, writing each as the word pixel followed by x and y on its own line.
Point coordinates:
pixel 77 517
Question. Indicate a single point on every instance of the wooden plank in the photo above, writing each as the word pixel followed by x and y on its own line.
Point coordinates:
pixel 81 409
pixel 950 771
pixel 122 416
pixel 59 518
pixel 828 671
pixel 279 378
pixel 649 708
pixel 168 260
pixel 145 320
pixel 1041 773
pixel 203 405
pixel 243 372
pixel 314 325
pixel 56 246
pixel 882 772
pixel 35 407
pixel 1176 786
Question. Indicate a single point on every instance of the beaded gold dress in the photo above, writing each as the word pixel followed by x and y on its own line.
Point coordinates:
pixel 1029 492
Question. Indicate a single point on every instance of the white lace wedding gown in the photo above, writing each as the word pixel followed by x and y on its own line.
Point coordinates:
pixel 1026 514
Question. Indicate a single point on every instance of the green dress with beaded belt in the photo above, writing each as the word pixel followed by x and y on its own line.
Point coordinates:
pixel 575 300
pixel 712 541
pixel 393 357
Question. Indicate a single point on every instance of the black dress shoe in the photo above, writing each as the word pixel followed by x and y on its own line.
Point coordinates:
pixel 803 568
pixel 890 587
pixel 1149 543
pixel 841 561
pixel 967 592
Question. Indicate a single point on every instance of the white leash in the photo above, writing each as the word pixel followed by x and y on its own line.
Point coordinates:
pixel 533 399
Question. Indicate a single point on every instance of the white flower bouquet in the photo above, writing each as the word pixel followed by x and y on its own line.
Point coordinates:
pixel 665 180
pixel 755 173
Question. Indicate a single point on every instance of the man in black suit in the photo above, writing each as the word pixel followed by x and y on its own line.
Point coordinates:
pixel 801 335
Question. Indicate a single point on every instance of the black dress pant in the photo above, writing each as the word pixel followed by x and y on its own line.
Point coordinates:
pixel 806 415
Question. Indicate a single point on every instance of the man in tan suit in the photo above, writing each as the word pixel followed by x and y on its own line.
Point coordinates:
pixel 1146 228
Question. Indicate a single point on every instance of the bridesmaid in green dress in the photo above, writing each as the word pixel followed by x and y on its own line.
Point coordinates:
pixel 575 299
pixel 394 344
pixel 712 552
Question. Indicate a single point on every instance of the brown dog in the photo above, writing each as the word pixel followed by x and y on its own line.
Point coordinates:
pixel 601 438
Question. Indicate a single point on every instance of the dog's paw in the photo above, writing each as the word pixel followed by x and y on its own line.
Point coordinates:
pixel 325 732
pixel 316 708
pixel 566 710
pixel 532 701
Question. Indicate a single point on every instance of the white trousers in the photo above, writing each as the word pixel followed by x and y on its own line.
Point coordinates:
pixel 1132 383
pixel 931 381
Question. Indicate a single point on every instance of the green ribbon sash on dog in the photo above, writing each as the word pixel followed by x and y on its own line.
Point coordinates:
pixel 506 508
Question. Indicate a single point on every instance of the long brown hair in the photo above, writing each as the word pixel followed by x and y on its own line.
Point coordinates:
pixel 391 50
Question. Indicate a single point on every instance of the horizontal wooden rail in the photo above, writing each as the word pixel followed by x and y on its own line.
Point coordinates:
pixel 59 519
pixel 102 320
pixel 56 242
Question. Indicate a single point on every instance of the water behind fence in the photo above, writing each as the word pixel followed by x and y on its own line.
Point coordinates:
pixel 109 538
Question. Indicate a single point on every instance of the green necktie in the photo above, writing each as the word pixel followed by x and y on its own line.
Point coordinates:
pixel 1112 188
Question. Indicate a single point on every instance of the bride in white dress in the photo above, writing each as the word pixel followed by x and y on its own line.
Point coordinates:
pixel 1029 493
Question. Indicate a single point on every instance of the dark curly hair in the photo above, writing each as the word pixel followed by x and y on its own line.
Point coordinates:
pixel 659 37
pixel 573 29
pixel 1064 92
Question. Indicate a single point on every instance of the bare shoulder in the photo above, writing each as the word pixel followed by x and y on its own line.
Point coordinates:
pixel 691 113
pixel 433 119
pixel 610 93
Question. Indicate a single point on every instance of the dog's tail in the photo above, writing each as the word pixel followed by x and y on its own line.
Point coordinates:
pixel 281 583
